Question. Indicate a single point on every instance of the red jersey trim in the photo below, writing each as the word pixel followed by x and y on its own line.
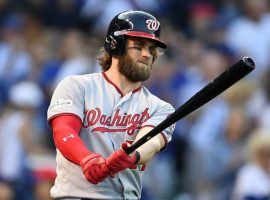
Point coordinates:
pixel 137 89
pixel 116 87
pixel 62 114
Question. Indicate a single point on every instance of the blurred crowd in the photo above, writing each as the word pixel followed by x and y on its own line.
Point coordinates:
pixel 220 152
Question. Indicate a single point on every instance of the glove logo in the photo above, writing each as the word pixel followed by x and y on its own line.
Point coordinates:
pixel 66 138
pixel 152 25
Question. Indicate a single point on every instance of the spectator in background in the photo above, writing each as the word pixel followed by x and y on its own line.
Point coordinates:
pixel 202 15
pixel 44 51
pixel 227 154
pixel 6 191
pixel 99 12
pixel 75 56
pixel 211 173
pixel 205 127
pixel 43 176
pixel 209 120
pixel 15 62
pixel 259 104
pixel 21 139
pixel 253 179
pixel 248 35
pixel 64 13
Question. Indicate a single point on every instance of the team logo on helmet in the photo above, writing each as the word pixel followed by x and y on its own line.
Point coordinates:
pixel 152 24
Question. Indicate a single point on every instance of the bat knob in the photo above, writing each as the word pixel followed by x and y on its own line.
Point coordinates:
pixel 249 62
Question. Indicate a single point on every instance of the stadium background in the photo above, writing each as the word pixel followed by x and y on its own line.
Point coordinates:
pixel 43 41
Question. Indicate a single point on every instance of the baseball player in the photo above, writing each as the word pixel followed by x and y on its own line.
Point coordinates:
pixel 94 117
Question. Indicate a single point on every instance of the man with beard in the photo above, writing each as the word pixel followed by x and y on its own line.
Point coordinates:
pixel 94 117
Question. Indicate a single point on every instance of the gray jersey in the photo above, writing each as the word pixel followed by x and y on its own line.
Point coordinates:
pixel 108 119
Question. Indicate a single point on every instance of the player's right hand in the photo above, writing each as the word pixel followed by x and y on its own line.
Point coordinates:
pixel 95 169
pixel 119 160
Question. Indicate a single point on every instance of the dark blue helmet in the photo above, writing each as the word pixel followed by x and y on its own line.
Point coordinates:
pixel 134 24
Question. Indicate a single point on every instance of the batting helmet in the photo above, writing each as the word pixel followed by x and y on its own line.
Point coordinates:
pixel 131 23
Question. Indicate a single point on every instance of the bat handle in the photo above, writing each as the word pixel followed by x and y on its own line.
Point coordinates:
pixel 129 150
pixel 145 138
pixel 133 147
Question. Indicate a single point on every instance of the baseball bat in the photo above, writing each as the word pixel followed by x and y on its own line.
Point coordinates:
pixel 225 80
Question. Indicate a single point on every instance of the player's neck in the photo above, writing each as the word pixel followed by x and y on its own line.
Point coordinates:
pixel 121 81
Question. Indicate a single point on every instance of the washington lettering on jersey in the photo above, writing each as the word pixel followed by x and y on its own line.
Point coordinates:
pixel 130 122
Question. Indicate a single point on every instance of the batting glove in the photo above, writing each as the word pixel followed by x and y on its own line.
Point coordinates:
pixel 95 169
pixel 119 160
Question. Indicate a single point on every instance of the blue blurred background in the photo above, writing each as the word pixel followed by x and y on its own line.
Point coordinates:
pixel 221 151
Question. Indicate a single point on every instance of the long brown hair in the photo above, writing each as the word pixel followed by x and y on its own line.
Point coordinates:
pixel 104 60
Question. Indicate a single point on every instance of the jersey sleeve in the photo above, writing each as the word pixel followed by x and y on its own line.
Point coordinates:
pixel 160 115
pixel 68 98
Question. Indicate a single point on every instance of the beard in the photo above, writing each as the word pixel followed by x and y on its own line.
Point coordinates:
pixel 134 71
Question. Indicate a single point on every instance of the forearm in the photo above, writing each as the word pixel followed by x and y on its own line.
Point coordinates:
pixel 66 137
pixel 150 148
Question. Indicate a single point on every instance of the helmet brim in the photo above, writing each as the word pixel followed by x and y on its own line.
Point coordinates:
pixel 159 42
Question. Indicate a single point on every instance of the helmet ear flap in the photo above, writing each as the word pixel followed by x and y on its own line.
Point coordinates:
pixel 115 45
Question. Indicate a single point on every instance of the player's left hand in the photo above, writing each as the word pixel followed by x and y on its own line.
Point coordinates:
pixel 119 160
